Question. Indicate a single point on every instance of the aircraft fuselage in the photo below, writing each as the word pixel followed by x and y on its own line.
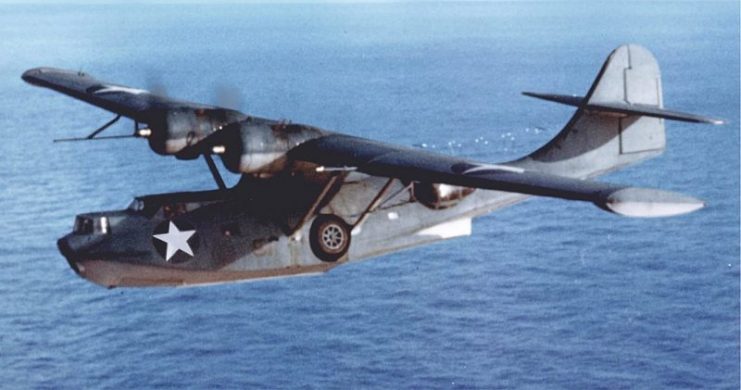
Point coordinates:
pixel 262 228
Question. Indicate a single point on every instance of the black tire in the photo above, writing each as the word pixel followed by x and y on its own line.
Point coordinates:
pixel 329 237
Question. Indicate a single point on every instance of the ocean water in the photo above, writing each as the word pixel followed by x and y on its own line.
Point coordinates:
pixel 546 294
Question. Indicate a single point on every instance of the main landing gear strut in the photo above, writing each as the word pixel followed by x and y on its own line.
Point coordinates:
pixel 330 235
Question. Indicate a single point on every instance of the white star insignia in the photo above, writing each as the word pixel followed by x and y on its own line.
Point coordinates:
pixel 176 240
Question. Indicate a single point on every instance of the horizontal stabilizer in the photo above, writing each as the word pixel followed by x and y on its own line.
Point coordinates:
pixel 625 108
pixel 569 100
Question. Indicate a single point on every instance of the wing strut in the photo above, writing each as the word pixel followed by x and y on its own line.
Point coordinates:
pixel 373 205
pixel 96 132
pixel 214 171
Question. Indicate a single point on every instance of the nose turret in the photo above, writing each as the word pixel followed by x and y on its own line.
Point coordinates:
pixel 77 247
pixel 66 250
pixel 89 240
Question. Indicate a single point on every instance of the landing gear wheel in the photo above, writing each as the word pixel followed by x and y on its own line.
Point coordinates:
pixel 329 237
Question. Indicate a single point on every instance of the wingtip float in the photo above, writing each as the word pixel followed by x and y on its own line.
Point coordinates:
pixel 310 199
pixel 649 203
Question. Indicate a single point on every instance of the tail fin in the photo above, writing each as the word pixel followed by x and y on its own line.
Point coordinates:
pixel 619 122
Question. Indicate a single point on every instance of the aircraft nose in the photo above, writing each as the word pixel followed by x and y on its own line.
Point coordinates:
pixel 78 248
pixel 68 253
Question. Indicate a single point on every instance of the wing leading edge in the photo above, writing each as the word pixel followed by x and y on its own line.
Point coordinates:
pixel 379 159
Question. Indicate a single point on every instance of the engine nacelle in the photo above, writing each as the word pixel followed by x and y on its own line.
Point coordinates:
pixel 439 196
pixel 174 129
pixel 261 148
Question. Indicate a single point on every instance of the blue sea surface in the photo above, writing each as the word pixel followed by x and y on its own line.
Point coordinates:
pixel 546 294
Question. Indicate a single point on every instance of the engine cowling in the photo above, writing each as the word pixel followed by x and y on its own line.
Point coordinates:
pixel 172 130
pixel 439 196
pixel 261 148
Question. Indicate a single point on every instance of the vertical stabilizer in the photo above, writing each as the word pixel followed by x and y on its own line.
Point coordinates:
pixel 597 140
pixel 631 75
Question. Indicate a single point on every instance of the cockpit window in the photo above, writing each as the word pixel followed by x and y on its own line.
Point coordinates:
pixel 102 225
pixel 83 226
pixel 88 225
pixel 136 205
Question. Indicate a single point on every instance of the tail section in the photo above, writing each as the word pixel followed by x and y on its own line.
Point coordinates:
pixel 619 122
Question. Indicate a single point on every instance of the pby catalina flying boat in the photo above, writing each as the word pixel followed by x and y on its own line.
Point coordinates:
pixel 309 199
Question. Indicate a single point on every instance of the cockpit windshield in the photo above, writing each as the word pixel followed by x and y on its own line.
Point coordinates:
pixel 136 205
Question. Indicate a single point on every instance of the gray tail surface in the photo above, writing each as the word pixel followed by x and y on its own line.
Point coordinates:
pixel 619 122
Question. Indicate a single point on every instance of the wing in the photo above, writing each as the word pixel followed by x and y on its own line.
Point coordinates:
pixel 172 124
pixel 137 104
pixel 338 151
